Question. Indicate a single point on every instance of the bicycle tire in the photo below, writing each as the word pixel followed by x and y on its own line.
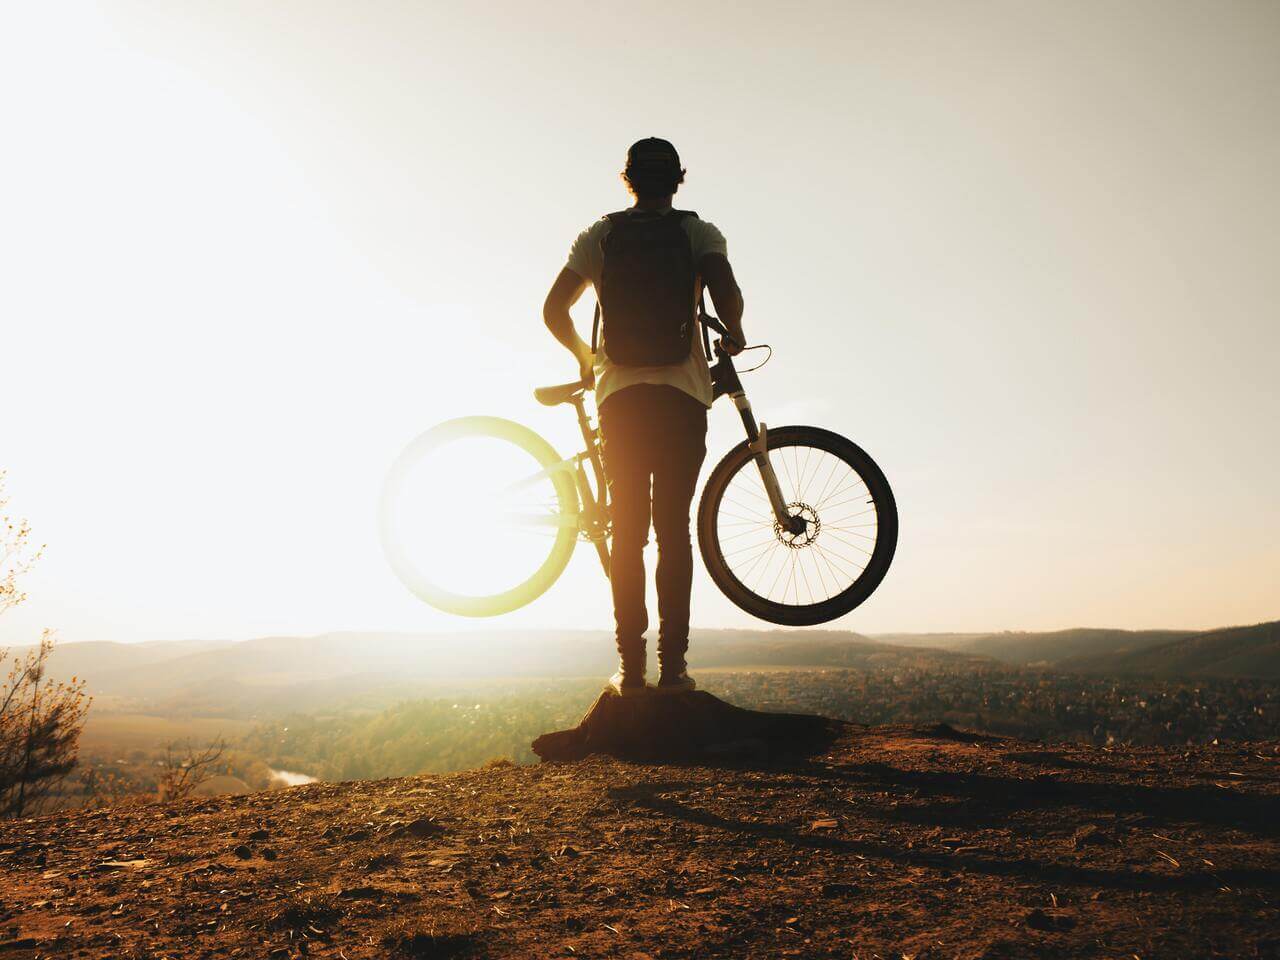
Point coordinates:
pixel 561 547
pixel 829 608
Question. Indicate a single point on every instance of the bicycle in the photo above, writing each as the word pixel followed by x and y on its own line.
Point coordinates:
pixel 791 521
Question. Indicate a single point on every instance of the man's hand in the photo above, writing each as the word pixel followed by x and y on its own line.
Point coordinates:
pixel 587 367
pixel 731 345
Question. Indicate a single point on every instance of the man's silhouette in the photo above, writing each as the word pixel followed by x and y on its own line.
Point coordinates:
pixel 648 265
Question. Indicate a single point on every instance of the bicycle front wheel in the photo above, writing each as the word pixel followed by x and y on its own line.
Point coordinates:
pixel 799 579
pixel 479 516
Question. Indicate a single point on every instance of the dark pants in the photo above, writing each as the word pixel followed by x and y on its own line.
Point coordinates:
pixel 652 435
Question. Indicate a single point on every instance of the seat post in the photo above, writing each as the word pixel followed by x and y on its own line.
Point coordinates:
pixel 584 422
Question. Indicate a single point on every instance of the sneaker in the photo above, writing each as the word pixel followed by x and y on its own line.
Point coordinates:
pixel 628 684
pixel 676 683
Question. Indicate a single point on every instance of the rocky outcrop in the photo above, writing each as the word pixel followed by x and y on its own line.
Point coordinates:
pixel 657 728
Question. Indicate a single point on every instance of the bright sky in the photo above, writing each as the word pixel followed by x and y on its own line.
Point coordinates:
pixel 1024 253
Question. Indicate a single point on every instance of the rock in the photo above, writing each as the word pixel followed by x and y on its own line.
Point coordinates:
pixel 682 727
pixel 1038 919
pixel 243 851
pixel 260 835
pixel 422 828
pixel 944 731
pixel 361 893
pixel 830 890
pixel 1089 835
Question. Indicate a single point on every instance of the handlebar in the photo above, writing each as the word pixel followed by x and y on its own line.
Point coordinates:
pixel 714 324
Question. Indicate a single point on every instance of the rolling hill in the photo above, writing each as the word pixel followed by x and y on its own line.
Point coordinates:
pixel 1024 649
pixel 1237 652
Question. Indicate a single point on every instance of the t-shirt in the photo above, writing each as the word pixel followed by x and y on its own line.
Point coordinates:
pixel 586 259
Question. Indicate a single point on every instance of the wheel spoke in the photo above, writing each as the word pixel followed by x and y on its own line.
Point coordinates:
pixel 864 536
pixel 800 564
pixel 817 568
pixel 837 575
pixel 841 491
pixel 832 559
pixel 860 513
pixel 849 544
pixel 808 455
pixel 835 465
pixel 771 540
pixel 747 572
pixel 756 529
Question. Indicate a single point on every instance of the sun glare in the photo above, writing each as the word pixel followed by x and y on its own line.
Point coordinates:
pixel 470 519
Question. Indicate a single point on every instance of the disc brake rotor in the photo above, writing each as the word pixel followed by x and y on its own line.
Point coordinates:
pixel 812 526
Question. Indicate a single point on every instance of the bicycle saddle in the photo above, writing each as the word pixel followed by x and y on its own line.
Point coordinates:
pixel 561 393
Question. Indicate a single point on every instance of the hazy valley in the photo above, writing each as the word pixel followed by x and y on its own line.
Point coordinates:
pixel 353 705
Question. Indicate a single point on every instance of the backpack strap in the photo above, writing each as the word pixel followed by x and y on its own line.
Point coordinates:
pixel 613 219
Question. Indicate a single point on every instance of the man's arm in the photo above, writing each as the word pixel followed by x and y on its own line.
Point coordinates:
pixel 555 313
pixel 717 274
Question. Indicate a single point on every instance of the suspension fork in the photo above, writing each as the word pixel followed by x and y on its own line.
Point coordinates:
pixel 758 444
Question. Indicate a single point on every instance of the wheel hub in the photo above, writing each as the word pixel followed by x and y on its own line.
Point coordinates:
pixel 803 528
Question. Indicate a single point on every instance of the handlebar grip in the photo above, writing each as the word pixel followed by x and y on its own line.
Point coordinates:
pixel 719 348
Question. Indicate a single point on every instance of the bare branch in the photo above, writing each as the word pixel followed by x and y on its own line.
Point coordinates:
pixel 184 769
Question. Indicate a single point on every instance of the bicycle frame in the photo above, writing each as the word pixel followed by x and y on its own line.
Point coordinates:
pixel 594 515
pixel 593 507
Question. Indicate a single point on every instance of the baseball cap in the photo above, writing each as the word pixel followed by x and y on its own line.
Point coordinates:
pixel 653 155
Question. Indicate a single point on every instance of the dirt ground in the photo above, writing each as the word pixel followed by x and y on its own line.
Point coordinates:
pixel 892 843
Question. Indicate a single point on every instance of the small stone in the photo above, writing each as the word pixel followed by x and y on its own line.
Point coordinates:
pixel 838 889
pixel 1090 835
pixel 1038 919
pixel 421 828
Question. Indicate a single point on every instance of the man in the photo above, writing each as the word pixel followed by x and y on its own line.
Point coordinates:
pixel 648 265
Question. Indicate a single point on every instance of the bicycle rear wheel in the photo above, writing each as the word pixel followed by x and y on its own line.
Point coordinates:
pixel 850 535
pixel 478 516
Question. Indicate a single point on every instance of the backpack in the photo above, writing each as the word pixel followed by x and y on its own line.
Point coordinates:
pixel 647 297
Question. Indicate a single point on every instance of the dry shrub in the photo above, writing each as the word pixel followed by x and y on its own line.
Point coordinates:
pixel 40 720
